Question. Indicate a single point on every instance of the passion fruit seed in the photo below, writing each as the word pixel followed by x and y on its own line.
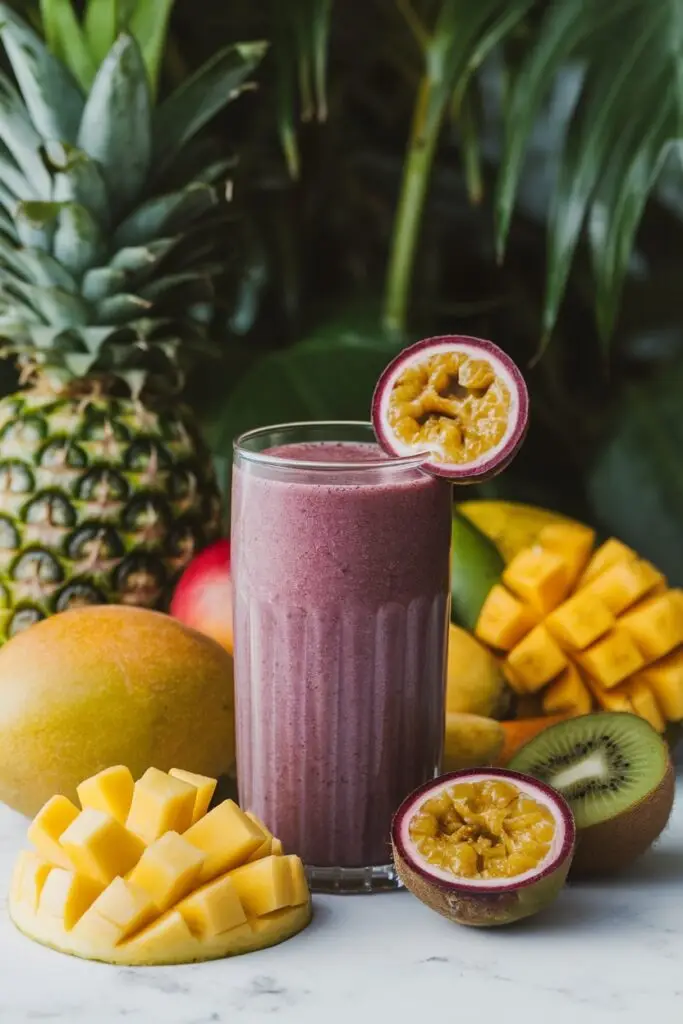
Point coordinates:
pixel 458 402
pixel 484 847
pixel 485 829
pixel 453 403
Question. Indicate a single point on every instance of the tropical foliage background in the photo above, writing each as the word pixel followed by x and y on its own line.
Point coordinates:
pixel 502 168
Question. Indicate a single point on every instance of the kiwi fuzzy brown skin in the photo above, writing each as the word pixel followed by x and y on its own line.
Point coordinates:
pixel 610 846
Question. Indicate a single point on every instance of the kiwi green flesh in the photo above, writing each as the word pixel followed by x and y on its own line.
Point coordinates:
pixel 602 763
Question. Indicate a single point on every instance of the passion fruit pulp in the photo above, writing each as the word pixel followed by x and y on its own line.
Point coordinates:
pixel 484 847
pixel 460 400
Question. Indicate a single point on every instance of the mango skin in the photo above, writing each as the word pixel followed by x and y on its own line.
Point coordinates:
pixel 106 685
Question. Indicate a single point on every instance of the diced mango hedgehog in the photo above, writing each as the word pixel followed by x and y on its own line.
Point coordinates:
pixel 144 873
pixel 588 629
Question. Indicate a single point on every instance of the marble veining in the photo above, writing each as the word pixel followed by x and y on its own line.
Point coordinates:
pixel 604 953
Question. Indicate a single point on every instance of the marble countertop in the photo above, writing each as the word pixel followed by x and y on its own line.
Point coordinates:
pixel 604 953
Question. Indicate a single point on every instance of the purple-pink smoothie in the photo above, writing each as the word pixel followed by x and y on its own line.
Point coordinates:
pixel 341 583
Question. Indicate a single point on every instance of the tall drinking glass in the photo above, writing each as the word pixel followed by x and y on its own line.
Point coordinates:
pixel 340 561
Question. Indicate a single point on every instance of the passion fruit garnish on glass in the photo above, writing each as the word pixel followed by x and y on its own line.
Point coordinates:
pixel 460 400
pixel 484 847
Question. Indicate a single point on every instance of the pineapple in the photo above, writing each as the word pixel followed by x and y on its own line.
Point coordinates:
pixel 588 629
pixel 109 242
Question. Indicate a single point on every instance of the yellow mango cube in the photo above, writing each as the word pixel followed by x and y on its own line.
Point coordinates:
pixel 503 619
pixel 580 621
pixel 573 542
pixel 267 922
pixel 276 847
pixel 644 703
pixel 96 931
pixel 110 791
pixel 567 694
pixel 266 847
pixel 161 803
pixel 623 584
pixel 167 870
pixel 263 886
pixel 226 836
pixel 612 700
pixel 300 891
pixel 167 939
pixel 67 896
pixel 538 577
pixel 100 847
pixel 213 909
pixel 535 661
pixel 30 874
pixel 656 625
pixel 665 679
pixel 126 906
pixel 205 787
pixel 612 659
pixel 48 827
pixel 607 555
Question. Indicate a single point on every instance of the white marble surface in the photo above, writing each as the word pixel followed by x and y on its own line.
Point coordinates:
pixel 609 953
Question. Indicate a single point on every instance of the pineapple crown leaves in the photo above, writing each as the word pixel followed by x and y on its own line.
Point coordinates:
pixel 104 269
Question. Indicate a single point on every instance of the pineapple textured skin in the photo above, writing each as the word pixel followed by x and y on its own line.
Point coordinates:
pixel 102 500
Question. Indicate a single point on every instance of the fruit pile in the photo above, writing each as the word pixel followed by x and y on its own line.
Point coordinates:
pixel 588 628
pixel 145 873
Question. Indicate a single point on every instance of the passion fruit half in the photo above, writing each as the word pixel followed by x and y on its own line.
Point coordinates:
pixel 484 847
pixel 460 400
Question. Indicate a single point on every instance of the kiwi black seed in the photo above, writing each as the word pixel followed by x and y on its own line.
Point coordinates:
pixel 615 772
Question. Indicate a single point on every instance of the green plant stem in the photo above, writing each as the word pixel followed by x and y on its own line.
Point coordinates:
pixel 428 113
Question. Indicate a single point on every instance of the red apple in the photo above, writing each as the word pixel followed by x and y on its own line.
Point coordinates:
pixel 203 597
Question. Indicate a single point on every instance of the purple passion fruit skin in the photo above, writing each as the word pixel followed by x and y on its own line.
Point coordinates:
pixel 441 428
pixel 484 902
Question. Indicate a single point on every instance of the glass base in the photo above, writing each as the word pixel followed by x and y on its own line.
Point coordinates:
pixel 353 881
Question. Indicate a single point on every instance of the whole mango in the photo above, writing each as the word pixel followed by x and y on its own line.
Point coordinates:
pixel 106 685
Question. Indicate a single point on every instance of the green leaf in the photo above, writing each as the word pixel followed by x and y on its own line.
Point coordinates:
pixel 94 337
pixel 77 179
pixel 12 178
pixel 80 363
pixel 22 140
pixel 67 41
pixel 159 287
pixel 622 94
pixel 78 242
pixel 119 309
pixel 101 27
pixel 563 29
pixel 164 214
pixel 37 267
pixel 45 336
pixel 52 304
pixel 52 97
pixel 149 25
pixel 140 259
pixel 102 282
pixel 116 126
pixel 36 224
pixel 330 375
pixel 636 481
pixel 200 98
pixel 284 50
pixel 476 565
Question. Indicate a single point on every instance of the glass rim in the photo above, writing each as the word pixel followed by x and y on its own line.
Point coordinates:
pixel 262 458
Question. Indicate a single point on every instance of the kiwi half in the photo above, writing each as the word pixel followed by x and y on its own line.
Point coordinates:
pixel 615 772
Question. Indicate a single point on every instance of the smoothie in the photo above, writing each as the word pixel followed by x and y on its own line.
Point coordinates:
pixel 341 581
